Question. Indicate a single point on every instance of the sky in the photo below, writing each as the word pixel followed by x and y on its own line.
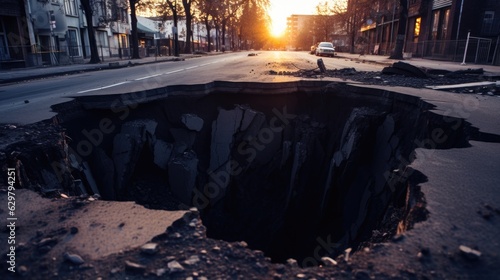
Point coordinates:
pixel 281 9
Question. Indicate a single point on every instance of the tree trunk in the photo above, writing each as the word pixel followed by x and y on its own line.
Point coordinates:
pixel 176 35
pixel 189 18
pixel 353 32
pixel 94 54
pixel 224 33
pixel 400 39
pixel 135 35
pixel 207 25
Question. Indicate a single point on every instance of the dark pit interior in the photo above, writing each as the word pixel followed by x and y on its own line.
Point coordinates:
pixel 297 170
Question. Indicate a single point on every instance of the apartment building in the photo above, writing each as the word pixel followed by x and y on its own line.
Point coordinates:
pixel 437 29
pixel 53 32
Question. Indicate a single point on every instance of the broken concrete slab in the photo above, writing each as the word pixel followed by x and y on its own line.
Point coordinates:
pixel 140 129
pixel 405 69
pixel 90 178
pixel 223 130
pixel 248 117
pixel 192 122
pixel 183 171
pixel 255 126
pixel 162 152
pixel 184 139
pixel 104 169
pixel 126 152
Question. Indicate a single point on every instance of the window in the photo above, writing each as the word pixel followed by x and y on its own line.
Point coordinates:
pixel 102 39
pixel 73 47
pixel 444 24
pixel 416 30
pixel 70 7
pixel 488 18
pixel 440 20
pixel 435 24
pixel 124 41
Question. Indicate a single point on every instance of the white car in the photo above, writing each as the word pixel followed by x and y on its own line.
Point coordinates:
pixel 325 48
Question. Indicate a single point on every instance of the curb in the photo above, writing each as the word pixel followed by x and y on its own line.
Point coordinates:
pixel 98 67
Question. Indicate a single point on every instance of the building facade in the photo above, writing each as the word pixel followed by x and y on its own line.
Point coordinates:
pixel 15 43
pixel 54 32
pixel 437 29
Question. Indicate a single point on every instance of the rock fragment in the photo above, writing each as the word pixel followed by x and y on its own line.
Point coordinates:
pixel 192 260
pixel 469 253
pixel 292 262
pixel 149 248
pixel 135 267
pixel 73 258
pixel 328 261
pixel 175 266
pixel 347 252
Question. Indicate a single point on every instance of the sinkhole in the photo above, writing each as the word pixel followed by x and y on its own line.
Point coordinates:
pixel 298 170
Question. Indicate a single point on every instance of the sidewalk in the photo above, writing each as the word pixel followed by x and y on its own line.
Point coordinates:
pixel 23 74
pixel 419 62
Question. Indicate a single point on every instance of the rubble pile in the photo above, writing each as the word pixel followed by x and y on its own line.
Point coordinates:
pixel 405 75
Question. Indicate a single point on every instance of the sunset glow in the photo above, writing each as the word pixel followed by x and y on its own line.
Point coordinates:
pixel 281 9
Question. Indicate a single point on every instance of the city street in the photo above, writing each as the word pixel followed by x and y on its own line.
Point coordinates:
pixel 30 101
pixel 452 191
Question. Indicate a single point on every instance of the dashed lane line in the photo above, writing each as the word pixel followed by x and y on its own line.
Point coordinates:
pixel 105 87
pixel 151 76
pixel 147 77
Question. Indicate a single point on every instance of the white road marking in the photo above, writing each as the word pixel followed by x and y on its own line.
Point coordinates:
pixel 147 77
pixel 113 85
pixel 175 71
pixel 152 76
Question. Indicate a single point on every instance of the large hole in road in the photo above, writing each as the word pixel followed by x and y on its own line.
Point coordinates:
pixel 298 170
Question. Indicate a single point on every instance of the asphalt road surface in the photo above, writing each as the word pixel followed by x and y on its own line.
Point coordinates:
pixel 30 101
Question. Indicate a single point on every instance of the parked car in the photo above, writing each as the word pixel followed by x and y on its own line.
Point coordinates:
pixel 325 48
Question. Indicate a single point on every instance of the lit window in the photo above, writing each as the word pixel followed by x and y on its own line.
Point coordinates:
pixel 418 21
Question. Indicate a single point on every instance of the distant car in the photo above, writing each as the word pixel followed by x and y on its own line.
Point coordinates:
pixel 313 49
pixel 325 48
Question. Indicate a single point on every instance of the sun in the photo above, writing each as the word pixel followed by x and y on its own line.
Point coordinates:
pixel 278 15
pixel 278 29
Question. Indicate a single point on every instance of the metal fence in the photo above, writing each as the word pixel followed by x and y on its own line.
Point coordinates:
pixel 39 55
pixel 479 50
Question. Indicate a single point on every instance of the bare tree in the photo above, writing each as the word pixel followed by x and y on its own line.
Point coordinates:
pixel 89 8
pixel 206 10
pixel 134 5
pixel 254 23
pixel 323 22
pixel 187 4
pixel 227 12
pixel 400 39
